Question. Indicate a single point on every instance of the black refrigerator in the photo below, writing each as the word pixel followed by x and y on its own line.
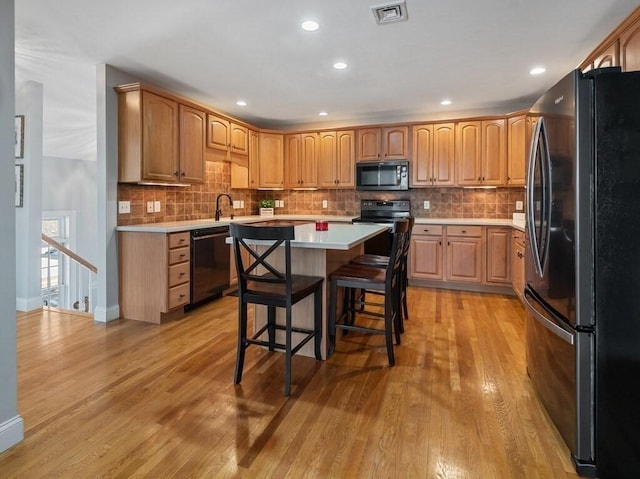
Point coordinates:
pixel 582 267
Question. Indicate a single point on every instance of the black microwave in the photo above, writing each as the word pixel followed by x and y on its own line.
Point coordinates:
pixel 382 175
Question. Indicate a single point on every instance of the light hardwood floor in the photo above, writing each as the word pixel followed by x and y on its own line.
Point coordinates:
pixel 142 400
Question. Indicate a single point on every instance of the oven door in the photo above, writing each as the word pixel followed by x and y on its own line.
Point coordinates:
pixel 380 244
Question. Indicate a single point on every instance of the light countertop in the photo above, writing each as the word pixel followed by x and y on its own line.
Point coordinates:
pixel 175 226
pixel 343 236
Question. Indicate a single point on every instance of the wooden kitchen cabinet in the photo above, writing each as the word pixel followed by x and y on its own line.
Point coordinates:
pixel 433 155
pixel 426 252
pixel 463 254
pixel 498 255
pixel 301 160
pixel 517 263
pixel 380 144
pixel 271 160
pixel 227 136
pixel 254 164
pixel 518 138
pixel 480 153
pixel 336 159
pixel 154 275
pixel 159 140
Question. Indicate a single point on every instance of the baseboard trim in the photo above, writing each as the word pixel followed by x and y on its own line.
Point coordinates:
pixel 28 304
pixel 11 433
pixel 104 315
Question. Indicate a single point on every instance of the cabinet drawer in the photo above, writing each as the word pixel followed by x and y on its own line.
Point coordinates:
pixel 178 240
pixel 475 231
pixel 178 255
pixel 518 237
pixel 178 274
pixel 178 295
pixel 431 230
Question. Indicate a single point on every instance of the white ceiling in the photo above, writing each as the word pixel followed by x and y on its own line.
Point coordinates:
pixel 477 53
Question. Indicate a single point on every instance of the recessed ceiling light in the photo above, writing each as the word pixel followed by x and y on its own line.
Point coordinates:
pixel 537 70
pixel 309 25
pixel 340 65
pixel 445 102
pixel 241 103
pixel 323 113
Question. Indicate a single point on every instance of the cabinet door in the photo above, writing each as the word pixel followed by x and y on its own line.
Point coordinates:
pixel 422 164
pixel 369 144
pixel 630 48
pixel 468 152
pixel 516 150
pixel 444 154
pixel 327 158
pixel 270 159
pixel 345 159
pixel 192 144
pixel 239 139
pixel 217 133
pixel 395 143
pixel 425 257
pixel 464 258
pixel 498 262
pixel 517 268
pixel 159 138
pixel 292 161
pixel 494 160
pixel 254 164
pixel 308 166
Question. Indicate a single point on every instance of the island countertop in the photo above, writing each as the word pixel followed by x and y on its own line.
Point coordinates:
pixel 338 236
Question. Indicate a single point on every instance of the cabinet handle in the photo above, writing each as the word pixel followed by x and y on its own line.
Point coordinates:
pixel 520 255
pixel 440 242
pixel 464 231
pixel 479 179
pixel 483 178
pixel 183 255
pixel 448 243
pixel 182 274
pixel 182 240
pixel 175 173
pixel 426 231
pixel 182 295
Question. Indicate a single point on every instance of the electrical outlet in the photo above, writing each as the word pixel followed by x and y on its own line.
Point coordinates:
pixel 519 205
pixel 156 207
pixel 149 206
pixel 427 205
pixel 325 203
pixel 236 204
pixel 124 207
pixel 241 203
pixel 281 203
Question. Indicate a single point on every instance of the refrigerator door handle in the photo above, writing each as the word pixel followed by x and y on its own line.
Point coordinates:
pixel 547 323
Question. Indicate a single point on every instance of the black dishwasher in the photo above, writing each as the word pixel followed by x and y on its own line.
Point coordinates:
pixel 210 261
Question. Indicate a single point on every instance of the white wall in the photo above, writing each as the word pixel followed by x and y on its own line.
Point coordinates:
pixel 70 185
pixel 28 218
pixel 11 424
pixel 107 77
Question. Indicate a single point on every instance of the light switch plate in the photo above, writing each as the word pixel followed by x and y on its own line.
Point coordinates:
pixel 149 206
pixel 427 204
pixel 325 203
pixel 124 207
pixel 519 206
pixel 156 206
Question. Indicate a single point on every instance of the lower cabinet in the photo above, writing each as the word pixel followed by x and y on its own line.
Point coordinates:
pixel 154 274
pixel 461 257
pixel 517 263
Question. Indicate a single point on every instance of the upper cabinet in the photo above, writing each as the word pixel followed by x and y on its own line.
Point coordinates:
pixel 271 160
pixel 433 160
pixel 159 140
pixel 254 164
pixel 301 160
pixel 630 48
pixel 379 144
pixel 336 159
pixel 480 153
pixel 227 136
pixel 517 149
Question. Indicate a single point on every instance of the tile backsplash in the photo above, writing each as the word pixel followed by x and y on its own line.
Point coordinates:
pixel 198 201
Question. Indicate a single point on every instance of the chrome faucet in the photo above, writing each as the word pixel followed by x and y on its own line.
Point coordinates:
pixel 218 210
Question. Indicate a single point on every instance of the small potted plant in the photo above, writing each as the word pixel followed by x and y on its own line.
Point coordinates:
pixel 266 207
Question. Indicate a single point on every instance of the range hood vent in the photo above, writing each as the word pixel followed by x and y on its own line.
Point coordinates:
pixel 394 12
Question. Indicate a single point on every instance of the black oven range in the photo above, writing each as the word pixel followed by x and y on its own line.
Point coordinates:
pixel 383 212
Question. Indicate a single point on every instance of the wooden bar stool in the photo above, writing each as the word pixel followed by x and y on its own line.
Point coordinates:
pixel 358 277
pixel 381 261
pixel 260 282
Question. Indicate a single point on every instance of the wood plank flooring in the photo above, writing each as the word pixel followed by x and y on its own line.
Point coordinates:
pixel 129 399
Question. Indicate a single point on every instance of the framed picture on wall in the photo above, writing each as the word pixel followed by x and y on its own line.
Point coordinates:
pixel 19 185
pixel 19 136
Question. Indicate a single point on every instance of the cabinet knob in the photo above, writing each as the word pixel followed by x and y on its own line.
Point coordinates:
pixel 175 173
pixel 182 274
pixel 483 178
pixel 464 231
pixel 440 242
pixel 479 179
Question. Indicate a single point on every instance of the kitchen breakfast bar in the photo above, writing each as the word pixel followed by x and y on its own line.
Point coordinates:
pixel 318 253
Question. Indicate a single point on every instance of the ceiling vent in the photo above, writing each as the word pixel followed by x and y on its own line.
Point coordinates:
pixel 394 12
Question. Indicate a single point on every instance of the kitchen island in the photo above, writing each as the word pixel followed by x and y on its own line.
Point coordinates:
pixel 317 253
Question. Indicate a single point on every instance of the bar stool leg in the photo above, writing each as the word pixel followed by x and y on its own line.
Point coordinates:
pixel 287 359
pixel 332 316
pixel 271 321
pixel 317 322
pixel 388 318
pixel 242 336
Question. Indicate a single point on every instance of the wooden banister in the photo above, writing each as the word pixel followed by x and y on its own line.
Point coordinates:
pixel 69 253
